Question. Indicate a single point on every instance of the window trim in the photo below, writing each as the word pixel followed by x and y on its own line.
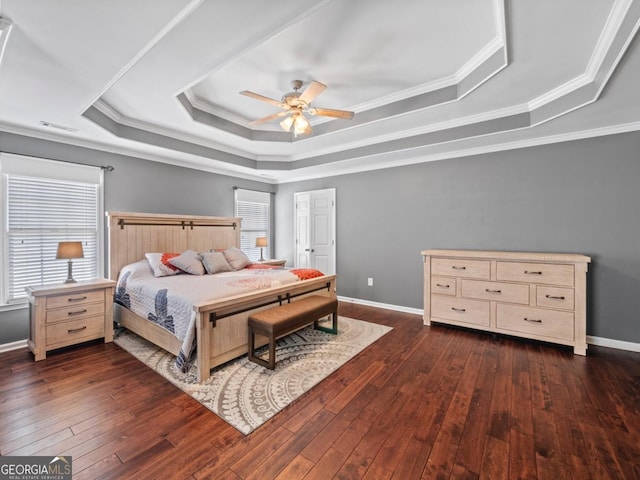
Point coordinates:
pixel 256 194
pixel 49 169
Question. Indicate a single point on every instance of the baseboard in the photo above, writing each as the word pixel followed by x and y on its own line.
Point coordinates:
pixel 599 341
pixel 368 303
pixel 7 347
pixel 608 342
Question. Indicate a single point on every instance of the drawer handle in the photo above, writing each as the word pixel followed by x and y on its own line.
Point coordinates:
pixel 555 297
pixel 77 312
pixel 492 291
pixel 74 330
pixel 529 272
pixel 458 268
pixel 458 309
pixel 442 285
pixel 532 320
pixel 77 299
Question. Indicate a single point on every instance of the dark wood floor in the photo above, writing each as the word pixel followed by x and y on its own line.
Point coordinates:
pixel 420 403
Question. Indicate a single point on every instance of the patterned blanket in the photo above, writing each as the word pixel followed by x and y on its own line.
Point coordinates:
pixel 168 301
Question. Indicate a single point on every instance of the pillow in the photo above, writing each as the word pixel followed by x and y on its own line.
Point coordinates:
pixel 189 262
pixel 215 262
pixel 236 258
pixel 160 265
pixel 306 273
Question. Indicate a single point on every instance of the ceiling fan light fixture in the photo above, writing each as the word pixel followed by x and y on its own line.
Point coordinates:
pixel 295 105
pixel 286 124
pixel 300 125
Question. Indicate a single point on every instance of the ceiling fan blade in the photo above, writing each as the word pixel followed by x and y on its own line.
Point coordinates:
pixel 329 112
pixel 312 91
pixel 257 96
pixel 268 118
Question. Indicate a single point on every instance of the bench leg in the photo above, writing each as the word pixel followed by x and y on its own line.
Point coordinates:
pixel 251 354
pixel 333 329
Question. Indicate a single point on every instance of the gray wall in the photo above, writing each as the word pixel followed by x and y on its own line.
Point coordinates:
pixel 578 197
pixel 135 185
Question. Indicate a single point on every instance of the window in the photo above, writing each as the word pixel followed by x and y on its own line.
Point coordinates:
pixel 255 210
pixel 47 202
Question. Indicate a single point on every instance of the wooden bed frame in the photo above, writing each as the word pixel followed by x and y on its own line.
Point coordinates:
pixel 222 332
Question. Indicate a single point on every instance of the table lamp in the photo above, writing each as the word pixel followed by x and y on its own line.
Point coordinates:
pixel 261 242
pixel 68 251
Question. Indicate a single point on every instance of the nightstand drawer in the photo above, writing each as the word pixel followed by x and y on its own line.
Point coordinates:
pixel 59 301
pixel 75 311
pixel 70 333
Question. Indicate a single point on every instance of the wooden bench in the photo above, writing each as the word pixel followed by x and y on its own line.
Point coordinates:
pixel 285 319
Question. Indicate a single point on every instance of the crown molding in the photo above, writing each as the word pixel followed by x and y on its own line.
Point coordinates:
pixel 415 156
pixel 6 26
pixel 106 109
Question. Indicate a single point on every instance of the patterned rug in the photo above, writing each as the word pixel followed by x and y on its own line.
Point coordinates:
pixel 245 394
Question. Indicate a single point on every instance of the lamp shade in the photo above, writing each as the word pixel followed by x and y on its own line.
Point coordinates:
pixel 67 250
pixel 261 242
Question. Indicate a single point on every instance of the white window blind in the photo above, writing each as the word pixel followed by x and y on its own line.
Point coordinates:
pixel 255 210
pixel 42 211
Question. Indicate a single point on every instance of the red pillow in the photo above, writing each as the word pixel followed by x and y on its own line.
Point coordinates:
pixel 306 273
pixel 160 265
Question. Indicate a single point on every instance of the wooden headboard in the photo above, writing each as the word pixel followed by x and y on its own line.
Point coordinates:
pixel 131 235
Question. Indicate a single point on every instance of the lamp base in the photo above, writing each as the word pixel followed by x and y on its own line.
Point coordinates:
pixel 69 276
pixel 261 257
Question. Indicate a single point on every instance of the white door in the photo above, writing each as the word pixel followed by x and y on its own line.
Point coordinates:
pixel 316 230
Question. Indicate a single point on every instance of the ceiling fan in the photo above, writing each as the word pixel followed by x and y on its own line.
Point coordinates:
pixel 295 105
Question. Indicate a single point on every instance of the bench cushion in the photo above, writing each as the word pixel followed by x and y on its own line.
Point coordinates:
pixel 291 316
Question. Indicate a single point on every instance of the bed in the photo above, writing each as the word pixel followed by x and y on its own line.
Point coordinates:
pixel 221 332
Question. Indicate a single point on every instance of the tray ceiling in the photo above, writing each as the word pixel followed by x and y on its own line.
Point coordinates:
pixel 160 79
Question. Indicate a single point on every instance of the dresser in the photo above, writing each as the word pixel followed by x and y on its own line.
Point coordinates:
pixel 67 314
pixel 540 296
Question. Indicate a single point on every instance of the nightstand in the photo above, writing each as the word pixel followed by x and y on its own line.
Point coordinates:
pixel 277 263
pixel 68 314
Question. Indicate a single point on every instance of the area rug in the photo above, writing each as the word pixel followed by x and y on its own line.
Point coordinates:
pixel 245 394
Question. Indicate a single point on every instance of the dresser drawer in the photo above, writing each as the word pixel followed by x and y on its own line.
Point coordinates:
pixel 502 292
pixel 460 310
pixel 443 285
pixel 75 311
pixel 461 267
pixel 59 301
pixel 555 297
pixel 540 273
pixel 72 332
pixel 538 321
